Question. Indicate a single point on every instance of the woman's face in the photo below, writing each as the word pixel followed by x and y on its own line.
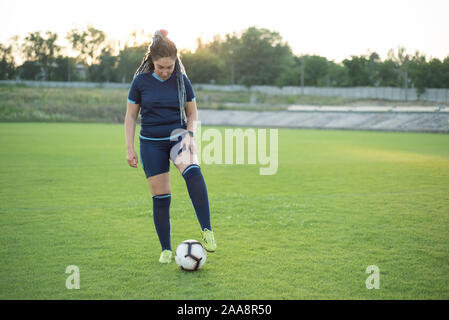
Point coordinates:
pixel 163 67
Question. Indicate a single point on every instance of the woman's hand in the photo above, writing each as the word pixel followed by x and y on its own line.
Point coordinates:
pixel 188 143
pixel 131 157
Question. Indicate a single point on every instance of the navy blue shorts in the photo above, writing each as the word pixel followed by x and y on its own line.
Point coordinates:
pixel 155 155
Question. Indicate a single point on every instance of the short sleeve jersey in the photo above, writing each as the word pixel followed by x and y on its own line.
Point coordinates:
pixel 159 103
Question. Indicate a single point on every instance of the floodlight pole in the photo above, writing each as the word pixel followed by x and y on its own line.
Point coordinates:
pixel 302 74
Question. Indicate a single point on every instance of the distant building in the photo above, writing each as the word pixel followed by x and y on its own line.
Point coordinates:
pixel 33 70
pixel 80 71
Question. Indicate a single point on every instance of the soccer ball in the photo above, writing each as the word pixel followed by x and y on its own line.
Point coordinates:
pixel 190 255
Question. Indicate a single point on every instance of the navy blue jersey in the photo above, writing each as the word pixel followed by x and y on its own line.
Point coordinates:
pixel 159 103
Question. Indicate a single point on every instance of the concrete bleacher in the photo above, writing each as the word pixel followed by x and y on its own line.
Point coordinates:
pixel 369 108
pixel 413 119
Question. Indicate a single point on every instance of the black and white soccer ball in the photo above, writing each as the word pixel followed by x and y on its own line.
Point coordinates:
pixel 190 255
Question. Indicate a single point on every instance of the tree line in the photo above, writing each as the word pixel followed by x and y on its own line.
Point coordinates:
pixel 256 56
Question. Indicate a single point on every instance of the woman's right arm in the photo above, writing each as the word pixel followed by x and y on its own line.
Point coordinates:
pixel 132 112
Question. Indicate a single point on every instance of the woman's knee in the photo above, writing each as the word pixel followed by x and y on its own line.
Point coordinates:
pixel 160 183
pixel 183 161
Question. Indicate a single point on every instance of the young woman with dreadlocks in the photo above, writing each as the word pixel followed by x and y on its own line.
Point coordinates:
pixel 164 96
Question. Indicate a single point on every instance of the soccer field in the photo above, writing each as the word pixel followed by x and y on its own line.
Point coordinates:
pixel 340 201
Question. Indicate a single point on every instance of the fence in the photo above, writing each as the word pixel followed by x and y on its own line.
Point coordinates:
pixel 62 84
pixel 384 93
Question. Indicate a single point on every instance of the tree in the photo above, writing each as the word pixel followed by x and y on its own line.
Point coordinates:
pixel 256 57
pixel 401 60
pixel 106 70
pixel 438 74
pixel 316 70
pixel 89 44
pixel 359 71
pixel 419 72
pixel 445 78
pixel 387 75
pixel 7 63
pixel 30 70
pixel 42 50
pixel 224 49
pixel 63 70
pixel 292 75
pixel 338 76
pixel 260 57
pixel 129 60
pixel 203 66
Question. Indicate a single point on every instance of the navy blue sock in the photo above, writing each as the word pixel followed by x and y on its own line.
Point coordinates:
pixel 198 194
pixel 161 218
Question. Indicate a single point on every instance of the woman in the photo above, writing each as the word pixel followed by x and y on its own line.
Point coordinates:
pixel 164 96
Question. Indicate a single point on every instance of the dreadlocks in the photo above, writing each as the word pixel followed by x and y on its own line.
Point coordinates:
pixel 162 47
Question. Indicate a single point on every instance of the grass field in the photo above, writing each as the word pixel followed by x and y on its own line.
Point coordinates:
pixel 340 201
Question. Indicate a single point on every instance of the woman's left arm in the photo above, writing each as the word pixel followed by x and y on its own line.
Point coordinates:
pixel 192 115
pixel 192 120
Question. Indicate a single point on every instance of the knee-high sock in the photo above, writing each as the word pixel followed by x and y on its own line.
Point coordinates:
pixel 198 194
pixel 161 218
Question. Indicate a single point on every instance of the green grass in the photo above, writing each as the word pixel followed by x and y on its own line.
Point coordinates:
pixel 340 201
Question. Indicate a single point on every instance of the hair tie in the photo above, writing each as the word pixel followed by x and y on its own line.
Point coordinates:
pixel 159 34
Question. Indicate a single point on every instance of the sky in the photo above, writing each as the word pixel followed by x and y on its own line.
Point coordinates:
pixel 335 29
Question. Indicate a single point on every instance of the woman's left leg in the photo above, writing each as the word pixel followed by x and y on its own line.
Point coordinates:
pixel 188 165
pixel 196 186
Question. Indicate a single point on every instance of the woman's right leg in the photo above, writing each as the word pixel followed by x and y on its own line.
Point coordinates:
pixel 160 183
pixel 155 162
pixel 161 194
